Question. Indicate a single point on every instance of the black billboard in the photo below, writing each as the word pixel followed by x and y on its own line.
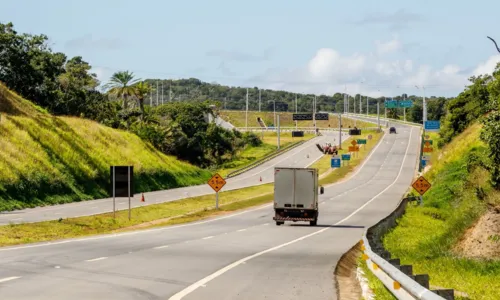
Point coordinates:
pixel 354 131
pixel 297 133
pixel 121 184
pixel 309 117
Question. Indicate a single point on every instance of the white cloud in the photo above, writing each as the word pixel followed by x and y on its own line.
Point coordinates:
pixel 487 67
pixel 389 46
pixel 329 72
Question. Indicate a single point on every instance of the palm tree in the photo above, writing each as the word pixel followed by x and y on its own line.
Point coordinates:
pixel 121 85
pixel 142 89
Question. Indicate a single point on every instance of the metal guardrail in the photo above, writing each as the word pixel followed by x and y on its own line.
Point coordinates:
pixel 398 279
pixel 306 129
pixel 384 119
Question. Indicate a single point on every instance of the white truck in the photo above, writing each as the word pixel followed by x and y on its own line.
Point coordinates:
pixel 296 195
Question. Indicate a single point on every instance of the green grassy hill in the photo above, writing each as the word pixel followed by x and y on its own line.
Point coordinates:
pixel 238 119
pixel 427 237
pixel 48 160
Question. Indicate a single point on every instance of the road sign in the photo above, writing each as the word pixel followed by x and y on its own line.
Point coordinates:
pixel 361 141
pixel 370 137
pixel 428 150
pixel 432 125
pixel 405 103
pixel 354 143
pixel 216 182
pixel 321 116
pixel 120 181
pixel 346 156
pixel 335 163
pixel 391 103
pixel 354 131
pixel 424 163
pixel 302 117
pixel 421 185
pixel 428 142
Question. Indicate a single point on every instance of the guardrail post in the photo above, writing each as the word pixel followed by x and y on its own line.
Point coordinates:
pixel 407 269
pixel 447 294
pixel 395 262
pixel 423 280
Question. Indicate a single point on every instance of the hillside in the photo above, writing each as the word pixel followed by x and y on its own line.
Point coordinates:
pixel 455 236
pixel 49 160
pixel 237 118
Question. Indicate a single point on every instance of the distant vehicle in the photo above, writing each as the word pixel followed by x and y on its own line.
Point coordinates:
pixel 392 130
pixel 296 195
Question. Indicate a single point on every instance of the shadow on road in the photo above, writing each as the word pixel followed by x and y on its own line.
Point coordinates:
pixel 324 226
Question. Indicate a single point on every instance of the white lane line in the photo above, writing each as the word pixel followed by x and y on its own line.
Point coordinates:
pixel 161 247
pixel 96 259
pixel 114 235
pixel 266 224
pixel 218 273
pixel 244 229
pixel 16 219
pixel 208 237
pixel 8 279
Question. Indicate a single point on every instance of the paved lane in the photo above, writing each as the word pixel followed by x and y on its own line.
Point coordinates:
pixel 302 156
pixel 237 256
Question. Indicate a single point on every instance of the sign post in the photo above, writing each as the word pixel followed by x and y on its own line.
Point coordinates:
pixel 335 162
pixel 421 185
pixel 122 185
pixel 216 183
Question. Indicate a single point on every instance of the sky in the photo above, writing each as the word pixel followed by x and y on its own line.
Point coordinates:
pixel 374 47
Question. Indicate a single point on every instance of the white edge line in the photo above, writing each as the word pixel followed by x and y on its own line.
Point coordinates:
pixel 135 232
pixel 161 247
pixel 9 279
pixel 218 273
pixel 96 259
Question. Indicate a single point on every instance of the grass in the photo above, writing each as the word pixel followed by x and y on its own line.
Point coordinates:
pixel 169 213
pixel 450 207
pixel 237 118
pixel 52 160
pixel 377 287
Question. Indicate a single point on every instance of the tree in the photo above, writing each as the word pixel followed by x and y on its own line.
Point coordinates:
pixel 142 89
pixel 490 134
pixel 121 85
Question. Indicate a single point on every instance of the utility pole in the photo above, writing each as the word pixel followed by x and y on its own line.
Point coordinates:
pixel 278 132
pixel 404 108
pixel 162 93
pixel 157 91
pixel 246 114
pixel 340 131
pixel 367 107
pixel 314 114
pixel 296 122
pixel 259 100
pixel 378 114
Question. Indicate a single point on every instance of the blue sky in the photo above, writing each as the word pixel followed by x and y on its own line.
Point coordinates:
pixel 314 46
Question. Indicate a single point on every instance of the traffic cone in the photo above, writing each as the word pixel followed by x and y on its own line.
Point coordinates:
pixel 260 179
pixel 142 198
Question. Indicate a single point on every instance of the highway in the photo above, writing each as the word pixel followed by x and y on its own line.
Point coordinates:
pixel 236 256
pixel 302 156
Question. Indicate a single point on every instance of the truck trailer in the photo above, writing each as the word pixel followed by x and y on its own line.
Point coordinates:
pixel 296 195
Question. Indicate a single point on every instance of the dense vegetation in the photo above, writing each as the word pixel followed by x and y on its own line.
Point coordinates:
pixel 49 160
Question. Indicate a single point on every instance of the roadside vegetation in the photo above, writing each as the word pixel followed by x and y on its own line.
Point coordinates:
pixel 453 236
pixel 170 213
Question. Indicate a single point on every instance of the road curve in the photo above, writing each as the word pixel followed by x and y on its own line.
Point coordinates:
pixel 302 156
pixel 236 256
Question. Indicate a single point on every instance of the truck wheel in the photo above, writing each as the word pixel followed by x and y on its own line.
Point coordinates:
pixel 313 223
pixel 279 223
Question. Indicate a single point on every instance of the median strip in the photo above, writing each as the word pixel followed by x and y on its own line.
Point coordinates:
pixel 155 215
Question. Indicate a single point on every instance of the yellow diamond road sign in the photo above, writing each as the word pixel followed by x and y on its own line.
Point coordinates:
pixel 354 142
pixel 216 182
pixel 421 185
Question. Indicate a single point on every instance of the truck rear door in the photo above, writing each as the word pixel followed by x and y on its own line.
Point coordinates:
pixel 305 189
pixel 283 188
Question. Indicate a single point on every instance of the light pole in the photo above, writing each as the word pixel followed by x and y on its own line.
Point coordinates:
pixel 367 107
pixel 424 108
pixel 274 108
pixel 246 113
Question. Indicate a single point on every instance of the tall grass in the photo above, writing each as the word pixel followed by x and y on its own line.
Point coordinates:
pixel 50 160
pixel 425 236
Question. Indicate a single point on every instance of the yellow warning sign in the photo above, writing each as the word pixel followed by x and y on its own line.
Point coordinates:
pixel 216 182
pixel 421 185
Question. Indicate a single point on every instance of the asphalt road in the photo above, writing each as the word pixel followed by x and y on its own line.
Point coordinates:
pixel 302 156
pixel 236 256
